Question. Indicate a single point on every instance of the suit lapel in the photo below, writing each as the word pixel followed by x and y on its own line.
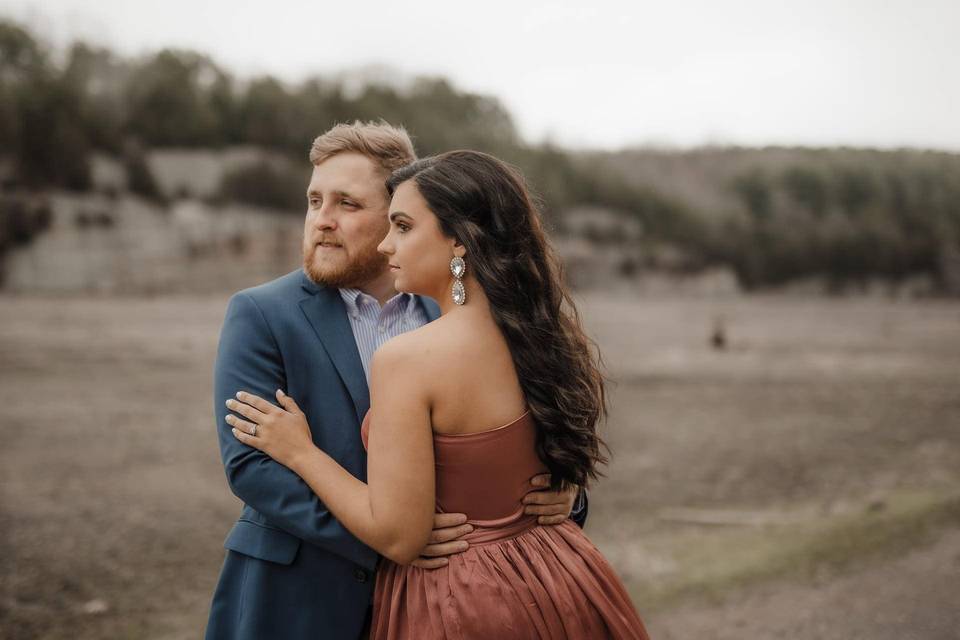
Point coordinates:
pixel 431 308
pixel 327 313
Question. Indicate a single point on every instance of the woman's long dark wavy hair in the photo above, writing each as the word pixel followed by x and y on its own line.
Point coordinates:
pixel 485 204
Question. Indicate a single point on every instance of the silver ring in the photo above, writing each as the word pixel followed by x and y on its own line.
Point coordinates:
pixel 254 431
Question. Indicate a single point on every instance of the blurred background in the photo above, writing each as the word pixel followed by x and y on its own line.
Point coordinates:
pixel 757 204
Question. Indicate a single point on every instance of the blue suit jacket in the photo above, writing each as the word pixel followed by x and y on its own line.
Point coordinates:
pixel 292 570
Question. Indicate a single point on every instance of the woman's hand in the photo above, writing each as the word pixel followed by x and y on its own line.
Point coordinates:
pixel 281 433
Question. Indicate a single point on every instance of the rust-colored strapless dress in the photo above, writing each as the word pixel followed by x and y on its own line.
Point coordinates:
pixel 518 579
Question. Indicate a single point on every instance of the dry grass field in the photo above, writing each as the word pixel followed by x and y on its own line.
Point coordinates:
pixel 802 482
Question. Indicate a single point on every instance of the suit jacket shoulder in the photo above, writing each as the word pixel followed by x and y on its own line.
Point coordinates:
pixel 284 288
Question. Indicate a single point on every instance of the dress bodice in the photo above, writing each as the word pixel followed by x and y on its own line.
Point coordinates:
pixel 484 474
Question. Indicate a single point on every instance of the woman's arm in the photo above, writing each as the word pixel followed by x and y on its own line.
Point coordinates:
pixel 393 512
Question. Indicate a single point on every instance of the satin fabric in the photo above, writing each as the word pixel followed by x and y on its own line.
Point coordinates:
pixel 518 579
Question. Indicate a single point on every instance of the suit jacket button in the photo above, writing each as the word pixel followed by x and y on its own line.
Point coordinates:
pixel 360 574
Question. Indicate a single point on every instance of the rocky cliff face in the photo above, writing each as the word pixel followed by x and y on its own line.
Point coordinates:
pixel 125 244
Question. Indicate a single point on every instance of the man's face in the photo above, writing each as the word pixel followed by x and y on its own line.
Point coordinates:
pixel 346 220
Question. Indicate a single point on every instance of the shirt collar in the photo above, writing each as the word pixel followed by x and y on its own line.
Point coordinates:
pixel 351 297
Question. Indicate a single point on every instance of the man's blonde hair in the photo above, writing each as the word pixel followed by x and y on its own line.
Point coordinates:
pixel 387 145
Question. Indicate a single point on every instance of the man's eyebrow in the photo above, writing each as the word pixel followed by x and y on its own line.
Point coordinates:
pixel 344 194
pixel 397 214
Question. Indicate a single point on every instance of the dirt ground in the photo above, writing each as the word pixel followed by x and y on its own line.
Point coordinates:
pixel 802 482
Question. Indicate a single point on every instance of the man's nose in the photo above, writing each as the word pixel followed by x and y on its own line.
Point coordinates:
pixel 324 218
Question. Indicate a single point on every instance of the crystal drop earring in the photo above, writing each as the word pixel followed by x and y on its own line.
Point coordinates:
pixel 458 267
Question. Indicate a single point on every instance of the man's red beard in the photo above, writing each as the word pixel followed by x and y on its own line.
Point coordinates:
pixel 352 272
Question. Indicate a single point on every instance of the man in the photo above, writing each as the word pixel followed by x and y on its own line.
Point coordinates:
pixel 292 570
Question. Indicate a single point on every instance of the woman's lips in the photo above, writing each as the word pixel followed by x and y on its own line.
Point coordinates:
pixel 394 267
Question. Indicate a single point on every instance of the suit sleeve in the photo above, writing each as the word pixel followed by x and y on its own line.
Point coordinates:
pixel 248 359
pixel 579 512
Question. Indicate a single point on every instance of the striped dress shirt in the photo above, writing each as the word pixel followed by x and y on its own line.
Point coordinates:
pixel 372 325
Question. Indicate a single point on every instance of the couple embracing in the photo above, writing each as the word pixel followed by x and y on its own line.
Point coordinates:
pixel 410 419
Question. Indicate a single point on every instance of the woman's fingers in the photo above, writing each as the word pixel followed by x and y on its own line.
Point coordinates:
pixel 246 411
pixel 246 438
pixel 256 402
pixel 242 425
pixel 287 402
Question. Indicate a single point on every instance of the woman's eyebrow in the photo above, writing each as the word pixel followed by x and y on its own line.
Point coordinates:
pixel 397 214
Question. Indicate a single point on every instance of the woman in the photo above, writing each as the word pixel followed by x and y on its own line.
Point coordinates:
pixel 507 350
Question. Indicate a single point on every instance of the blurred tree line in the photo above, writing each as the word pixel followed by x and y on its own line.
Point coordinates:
pixel 850 215
pixel 846 217
pixel 779 214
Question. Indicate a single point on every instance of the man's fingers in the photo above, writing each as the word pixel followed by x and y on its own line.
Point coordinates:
pixel 541 480
pixel 444 520
pixel 430 563
pixel 449 533
pixel 551 519
pixel 546 510
pixel 545 497
pixel 445 549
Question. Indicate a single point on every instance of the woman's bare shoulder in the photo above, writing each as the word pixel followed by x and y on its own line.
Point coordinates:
pixel 429 345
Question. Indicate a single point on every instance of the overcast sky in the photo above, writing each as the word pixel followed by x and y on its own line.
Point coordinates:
pixel 598 74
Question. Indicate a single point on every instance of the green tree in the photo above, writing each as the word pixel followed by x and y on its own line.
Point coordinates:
pixel 855 189
pixel 170 100
pixel 266 112
pixel 754 191
pixel 806 187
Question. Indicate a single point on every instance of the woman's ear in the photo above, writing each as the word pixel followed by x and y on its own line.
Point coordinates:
pixel 458 249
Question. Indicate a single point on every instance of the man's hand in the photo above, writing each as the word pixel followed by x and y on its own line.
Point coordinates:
pixel 447 527
pixel 553 507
